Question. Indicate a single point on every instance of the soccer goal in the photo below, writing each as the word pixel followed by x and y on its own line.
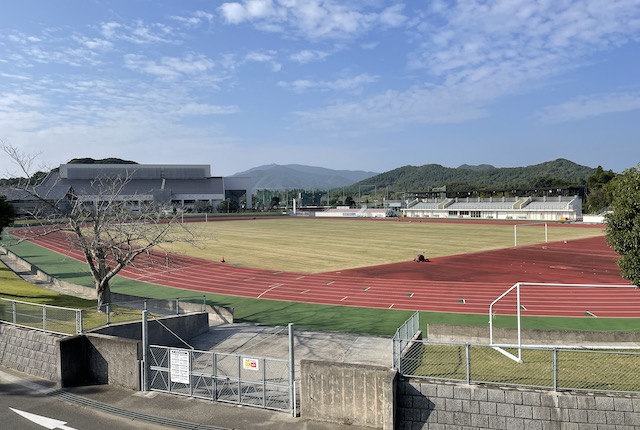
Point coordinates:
pixel 538 230
pixel 521 306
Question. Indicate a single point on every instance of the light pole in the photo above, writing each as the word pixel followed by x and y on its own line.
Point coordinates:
pixel 375 187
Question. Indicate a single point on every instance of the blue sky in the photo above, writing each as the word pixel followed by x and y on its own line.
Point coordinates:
pixel 358 85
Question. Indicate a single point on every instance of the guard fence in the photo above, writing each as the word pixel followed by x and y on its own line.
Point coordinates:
pixel 62 320
pixel 542 367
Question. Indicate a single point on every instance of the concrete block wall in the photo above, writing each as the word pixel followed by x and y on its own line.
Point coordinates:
pixel 30 351
pixel 428 405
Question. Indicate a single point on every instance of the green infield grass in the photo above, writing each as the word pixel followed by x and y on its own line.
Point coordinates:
pixel 312 245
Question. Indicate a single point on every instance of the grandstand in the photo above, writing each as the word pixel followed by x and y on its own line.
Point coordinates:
pixel 560 208
pixel 184 187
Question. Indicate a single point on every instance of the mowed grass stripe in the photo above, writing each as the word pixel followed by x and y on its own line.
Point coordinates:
pixel 323 245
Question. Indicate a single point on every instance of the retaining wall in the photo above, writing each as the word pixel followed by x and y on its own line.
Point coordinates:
pixel 30 351
pixel 428 405
pixel 169 331
pixel 349 394
pixel 105 360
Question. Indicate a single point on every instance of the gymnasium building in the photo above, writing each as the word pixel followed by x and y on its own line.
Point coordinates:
pixel 187 187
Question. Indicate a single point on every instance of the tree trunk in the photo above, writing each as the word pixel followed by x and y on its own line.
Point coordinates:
pixel 104 295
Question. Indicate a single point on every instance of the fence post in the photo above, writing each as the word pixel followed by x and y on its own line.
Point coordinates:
pixel 468 357
pixel 204 303
pixel 178 306
pixel 554 364
pixel 14 312
pixel 44 318
pixel 145 352
pixel 108 310
pixel 292 373
pixel 239 379
pixel 79 328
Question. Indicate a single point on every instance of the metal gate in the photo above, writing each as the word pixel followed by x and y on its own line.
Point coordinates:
pixel 222 377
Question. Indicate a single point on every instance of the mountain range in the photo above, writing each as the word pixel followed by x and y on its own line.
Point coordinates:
pixel 560 172
pixel 297 176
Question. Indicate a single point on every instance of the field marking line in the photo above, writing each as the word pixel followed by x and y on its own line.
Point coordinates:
pixel 344 298
pixel 305 291
pixel 269 289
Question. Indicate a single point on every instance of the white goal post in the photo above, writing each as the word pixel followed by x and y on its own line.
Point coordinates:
pixel 500 347
pixel 531 224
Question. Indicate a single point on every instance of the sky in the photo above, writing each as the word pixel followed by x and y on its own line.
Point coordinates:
pixel 350 85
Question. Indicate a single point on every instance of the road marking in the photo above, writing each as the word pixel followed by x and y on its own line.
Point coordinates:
pixel 45 422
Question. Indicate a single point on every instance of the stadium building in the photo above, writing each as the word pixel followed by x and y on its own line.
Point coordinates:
pixel 548 208
pixel 556 208
pixel 183 187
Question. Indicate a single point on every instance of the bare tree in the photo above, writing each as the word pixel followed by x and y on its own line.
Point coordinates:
pixel 99 220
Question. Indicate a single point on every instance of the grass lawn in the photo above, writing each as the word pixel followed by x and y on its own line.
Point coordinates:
pixel 313 245
pixel 322 245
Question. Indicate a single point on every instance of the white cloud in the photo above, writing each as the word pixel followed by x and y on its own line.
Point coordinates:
pixel 267 57
pixel 350 84
pixel 195 19
pixel 473 53
pixel 93 43
pixel 308 56
pixel 591 106
pixel 313 19
pixel 393 16
pixel 140 33
pixel 169 67
pixel 200 109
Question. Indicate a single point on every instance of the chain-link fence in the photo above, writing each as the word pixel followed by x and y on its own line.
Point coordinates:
pixel 51 319
pixel 551 368
pixel 403 337
pixel 61 320
pixel 223 377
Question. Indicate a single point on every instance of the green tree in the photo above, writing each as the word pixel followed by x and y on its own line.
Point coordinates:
pixel 228 205
pixel 623 223
pixel 599 195
pixel 7 213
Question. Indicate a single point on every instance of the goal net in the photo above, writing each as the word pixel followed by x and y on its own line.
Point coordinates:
pixel 525 296
pixel 530 233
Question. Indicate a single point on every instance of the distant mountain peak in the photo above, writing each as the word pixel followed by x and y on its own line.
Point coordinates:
pixel 278 177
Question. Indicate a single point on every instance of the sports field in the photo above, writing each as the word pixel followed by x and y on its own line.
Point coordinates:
pixel 355 275
pixel 312 245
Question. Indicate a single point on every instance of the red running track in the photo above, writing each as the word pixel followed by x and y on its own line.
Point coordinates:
pixel 465 283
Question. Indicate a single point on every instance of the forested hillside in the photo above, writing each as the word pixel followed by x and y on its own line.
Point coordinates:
pixel 559 172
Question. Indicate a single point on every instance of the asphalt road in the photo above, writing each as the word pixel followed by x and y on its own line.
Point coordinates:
pixel 26 406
